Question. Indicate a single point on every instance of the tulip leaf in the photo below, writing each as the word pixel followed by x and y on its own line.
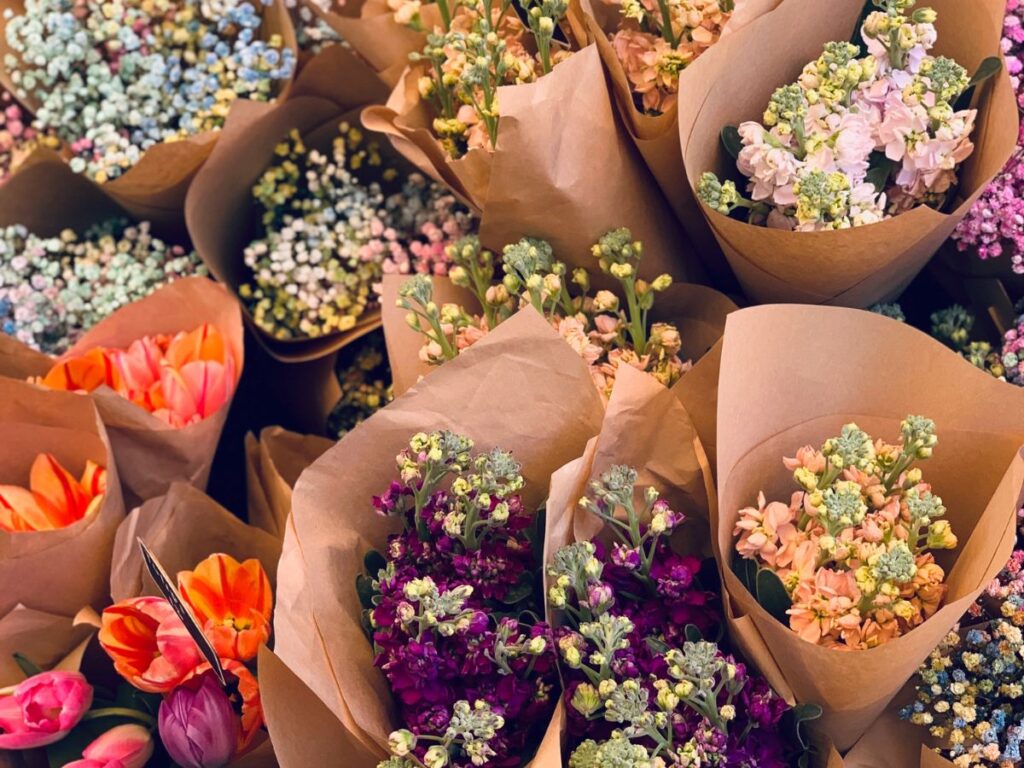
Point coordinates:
pixel 26 665
pixel 373 561
pixel 70 748
pixel 988 68
pixel 772 595
pixel 731 141
pixel 693 634
pixel 364 588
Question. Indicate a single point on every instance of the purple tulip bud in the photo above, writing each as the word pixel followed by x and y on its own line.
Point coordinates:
pixel 198 725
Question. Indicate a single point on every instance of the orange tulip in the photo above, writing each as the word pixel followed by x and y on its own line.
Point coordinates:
pixel 233 603
pixel 204 344
pixel 55 499
pixel 148 644
pixel 83 373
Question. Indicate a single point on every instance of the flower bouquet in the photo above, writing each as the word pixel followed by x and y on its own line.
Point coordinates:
pixel 845 587
pixel 162 372
pixel 633 325
pixel 835 209
pixel 319 625
pixel 60 506
pixel 136 99
pixel 493 105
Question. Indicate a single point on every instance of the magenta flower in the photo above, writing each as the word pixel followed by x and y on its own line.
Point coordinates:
pixel 124 746
pixel 43 709
pixel 198 726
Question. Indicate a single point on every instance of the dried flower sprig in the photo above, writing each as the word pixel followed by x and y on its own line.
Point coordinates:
pixel 852 547
pixel 604 330
pixel 54 289
pixel 856 139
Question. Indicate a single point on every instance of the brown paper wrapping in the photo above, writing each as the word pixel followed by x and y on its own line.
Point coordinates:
pixel 697 311
pixel 657 136
pixel 564 169
pixel 860 266
pixel 46 639
pixel 183 528
pixel 222 219
pixel 521 388
pixel 273 464
pixel 154 188
pixel 773 398
pixel 150 454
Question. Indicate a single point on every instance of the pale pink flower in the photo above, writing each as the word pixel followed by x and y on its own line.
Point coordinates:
pixel 761 529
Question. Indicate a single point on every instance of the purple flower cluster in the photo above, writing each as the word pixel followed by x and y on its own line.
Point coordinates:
pixel 639 678
pixel 995 225
pixel 449 605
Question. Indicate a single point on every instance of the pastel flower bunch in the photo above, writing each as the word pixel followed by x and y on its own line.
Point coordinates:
pixel 313 34
pixel 451 608
pixel 995 224
pixel 658 39
pixel 180 379
pixel 330 224
pixel 54 498
pixel 200 723
pixel 113 79
pixel 852 547
pixel 54 289
pixel 480 46
pixel 857 139
pixel 1013 353
pixel 642 688
pixel 605 329
pixel 952 326
pixel 365 379
pixel 17 135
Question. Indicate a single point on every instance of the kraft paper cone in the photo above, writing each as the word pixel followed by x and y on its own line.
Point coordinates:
pixel 697 311
pixel 777 392
pixel 222 219
pixel 273 464
pixel 182 529
pixel 150 454
pixel 860 266
pixel 154 188
pixel 564 169
pixel 45 639
pixel 548 410
pixel 657 136
pixel 58 571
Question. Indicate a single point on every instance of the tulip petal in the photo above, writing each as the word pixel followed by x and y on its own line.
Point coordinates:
pixel 17 506
pixel 84 373
pixel 205 343
pixel 54 484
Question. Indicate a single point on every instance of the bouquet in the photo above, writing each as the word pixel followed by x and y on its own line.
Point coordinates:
pixel 366 386
pixel 852 549
pixel 828 154
pixel 54 499
pixel 832 629
pixel 319 627
pixel 452 609
pixel 162 372
pixel 650 325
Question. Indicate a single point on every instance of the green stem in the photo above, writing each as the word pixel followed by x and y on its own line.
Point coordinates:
pixel 666 24
pixel 132 714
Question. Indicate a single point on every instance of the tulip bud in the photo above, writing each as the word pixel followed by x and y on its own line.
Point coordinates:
pixel 123 746
pixel 198 726
pixel 43 709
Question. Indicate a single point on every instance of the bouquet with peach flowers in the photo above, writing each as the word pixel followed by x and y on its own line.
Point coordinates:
pixel 162 372
pixel 851 550
pixel 607 328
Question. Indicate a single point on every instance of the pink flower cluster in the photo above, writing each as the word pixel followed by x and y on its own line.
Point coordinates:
pixel 851 548
pixel 17 136
pixel 1013 353
pixel 995 225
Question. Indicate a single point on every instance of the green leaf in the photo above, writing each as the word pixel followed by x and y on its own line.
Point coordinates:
pixel 746 572
pixel 26 665
pixel 693 634
pixel 373 561
pixel 988 68
pixel 772 595
pixel 364 588
pixel 367 625
pixel 731 141
pixel 657 646
pixel 521 591
pixel 881 168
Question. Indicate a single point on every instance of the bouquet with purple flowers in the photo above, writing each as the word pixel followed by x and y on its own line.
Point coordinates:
pixel 453 608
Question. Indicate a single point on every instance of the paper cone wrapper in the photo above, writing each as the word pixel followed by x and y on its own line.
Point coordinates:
pixel 564 169
pixel 48 640
pixel 549 409
pixel 881 371
pixel 863 265
pixel 273 464
pixel 697 311
pixel 150 454
pixel 657 137
pixel 222 218
pixel 154 188
pixel 55 572
pixel 183 528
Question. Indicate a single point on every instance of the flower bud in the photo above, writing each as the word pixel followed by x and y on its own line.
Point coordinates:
pixel 43 709
pixel 459 276
pixel 585 699
pixel 401 742
pixel 123 746
pixel 436 757
pixel 198 726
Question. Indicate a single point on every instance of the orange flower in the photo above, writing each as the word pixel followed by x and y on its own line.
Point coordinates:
pixel 232 601
pixel 148 644
pixel 84 373
pixel 55 499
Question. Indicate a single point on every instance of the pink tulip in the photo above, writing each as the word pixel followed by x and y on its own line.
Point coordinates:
pixel 196 391
pixel 43 709
pixel 124 746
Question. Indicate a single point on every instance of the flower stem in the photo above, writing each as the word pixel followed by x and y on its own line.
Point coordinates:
pixel 132 714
